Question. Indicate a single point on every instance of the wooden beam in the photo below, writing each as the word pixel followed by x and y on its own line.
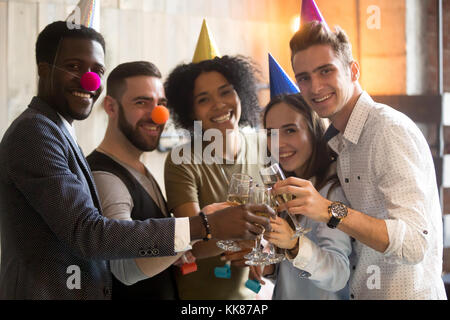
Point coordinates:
pixel 446 139
pixel 446 206
pixel 446 266
pixel 438 167
pixel 422 109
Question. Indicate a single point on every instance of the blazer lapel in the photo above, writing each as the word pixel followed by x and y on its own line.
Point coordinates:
pixel 49 112
pixel 83 164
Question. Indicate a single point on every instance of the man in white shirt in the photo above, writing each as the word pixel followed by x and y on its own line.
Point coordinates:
pixel 386 169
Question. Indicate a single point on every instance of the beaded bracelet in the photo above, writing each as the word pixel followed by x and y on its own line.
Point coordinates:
pixel 207 227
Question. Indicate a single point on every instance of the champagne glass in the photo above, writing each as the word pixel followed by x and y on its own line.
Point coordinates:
pixel 238 193
pixel 272 175
pixel 273 256
pixel 259 195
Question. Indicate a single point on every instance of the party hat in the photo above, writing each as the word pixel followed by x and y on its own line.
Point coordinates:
pixel 311 12
pixel 280 83
pixel 206 47
pixel 87 13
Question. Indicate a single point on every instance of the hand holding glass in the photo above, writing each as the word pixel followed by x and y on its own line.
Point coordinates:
pixel 272 175
pixel 258 195
pixel 238 193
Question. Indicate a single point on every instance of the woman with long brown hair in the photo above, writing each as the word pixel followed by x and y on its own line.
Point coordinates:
pixel 318 263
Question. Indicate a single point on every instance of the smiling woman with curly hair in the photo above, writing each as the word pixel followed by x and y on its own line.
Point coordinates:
pixel 239 71
pixel 222 94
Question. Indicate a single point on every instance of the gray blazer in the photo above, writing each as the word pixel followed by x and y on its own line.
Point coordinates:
pixel 55 244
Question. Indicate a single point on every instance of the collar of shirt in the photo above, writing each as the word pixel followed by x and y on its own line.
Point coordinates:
pixel 69 128
pixel 355 123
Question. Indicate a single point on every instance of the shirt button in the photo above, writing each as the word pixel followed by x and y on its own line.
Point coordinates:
pixel 354 267
pixel 352 296
pixel 346 180
pixel 425 232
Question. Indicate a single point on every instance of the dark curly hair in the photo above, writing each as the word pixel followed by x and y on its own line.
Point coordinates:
pixel 240 71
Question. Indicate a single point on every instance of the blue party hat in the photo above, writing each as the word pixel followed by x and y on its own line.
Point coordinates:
pixel 280 83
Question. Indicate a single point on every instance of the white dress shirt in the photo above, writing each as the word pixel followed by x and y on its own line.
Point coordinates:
pixel 387 172
pixel 69 128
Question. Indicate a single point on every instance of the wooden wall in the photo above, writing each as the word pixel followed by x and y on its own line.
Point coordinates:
pixel 164 32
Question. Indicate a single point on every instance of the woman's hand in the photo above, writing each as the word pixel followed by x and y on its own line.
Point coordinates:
pixel 281 234
pixel 307 202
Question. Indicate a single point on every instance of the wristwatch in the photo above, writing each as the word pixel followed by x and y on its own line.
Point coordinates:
pixel 337 211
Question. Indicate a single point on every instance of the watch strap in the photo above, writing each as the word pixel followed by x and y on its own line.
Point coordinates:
pixel 333 222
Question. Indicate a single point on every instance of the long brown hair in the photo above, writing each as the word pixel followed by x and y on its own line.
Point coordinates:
pixel 322 156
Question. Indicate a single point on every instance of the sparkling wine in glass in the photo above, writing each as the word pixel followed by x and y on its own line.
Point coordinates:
pixel 272 175
pixel 259 195
pixel 238 193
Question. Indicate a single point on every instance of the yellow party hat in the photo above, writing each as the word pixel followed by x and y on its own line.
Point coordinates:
pixel 206 47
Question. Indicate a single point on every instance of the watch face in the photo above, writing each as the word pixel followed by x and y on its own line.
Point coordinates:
pixel 339 210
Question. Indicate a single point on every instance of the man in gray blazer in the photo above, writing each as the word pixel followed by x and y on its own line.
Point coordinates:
pixel 55 244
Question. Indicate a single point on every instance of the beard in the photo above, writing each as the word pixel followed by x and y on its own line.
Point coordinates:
pixel 58 96
pixel 133 135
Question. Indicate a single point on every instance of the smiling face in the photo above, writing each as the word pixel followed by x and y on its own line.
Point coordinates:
pixel 327 84
pixel 63 90
pixel 142 94
pixel 216 103
pixel 295 147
